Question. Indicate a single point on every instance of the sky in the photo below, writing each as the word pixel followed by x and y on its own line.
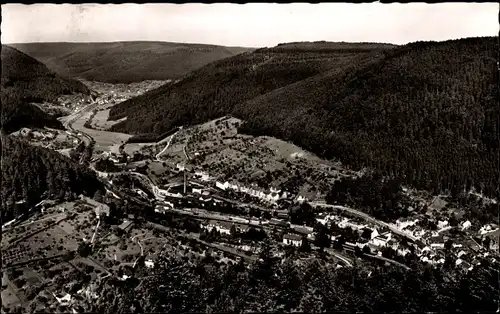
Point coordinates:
pixel 248 25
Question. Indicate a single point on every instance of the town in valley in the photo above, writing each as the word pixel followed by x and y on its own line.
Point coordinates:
pixel 152 212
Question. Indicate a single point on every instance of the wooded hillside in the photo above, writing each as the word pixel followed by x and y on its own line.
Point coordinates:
pixel 25 80
pixel 30 173
pixel 126 62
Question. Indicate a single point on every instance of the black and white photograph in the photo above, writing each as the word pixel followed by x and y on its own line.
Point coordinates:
pixel 250 158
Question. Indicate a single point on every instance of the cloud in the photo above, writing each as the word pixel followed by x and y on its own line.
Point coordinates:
pixel 253 25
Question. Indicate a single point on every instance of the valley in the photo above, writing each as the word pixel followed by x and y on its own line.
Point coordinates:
pixel 149 176
pixel 209 193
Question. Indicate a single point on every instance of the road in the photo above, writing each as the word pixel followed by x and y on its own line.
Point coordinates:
pixel 213 245
pixel 198 213
pixel 347 261
pixel 387 260
pixel 168 144
pixel 370 219
pixel 77 115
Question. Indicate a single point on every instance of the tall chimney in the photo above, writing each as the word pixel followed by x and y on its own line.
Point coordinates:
pixel 184 181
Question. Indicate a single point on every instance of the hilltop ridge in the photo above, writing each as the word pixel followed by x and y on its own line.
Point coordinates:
pixel 431 104
pixel 126 61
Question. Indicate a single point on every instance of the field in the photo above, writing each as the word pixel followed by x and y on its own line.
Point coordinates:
pixel 217 147
pixel 100 120
pixel 104 139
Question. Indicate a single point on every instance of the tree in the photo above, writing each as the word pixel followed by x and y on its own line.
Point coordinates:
pixel 453 221
pixel 69 256
pixel 233 232
pixel 366 249
pixel 265 264
pixel 84 249
pixel 357 251
pixel 339 242
pixel 367 233
pixel 302 214
pixel 98 196
pixel 448 244
pixel 322 239
pixel 305 246
pixel 487 242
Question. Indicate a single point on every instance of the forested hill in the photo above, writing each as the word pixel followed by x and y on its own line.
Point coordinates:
pixel 215 89
pixel 126 62
pixel 30 173
pixel 26 80
pixel 426 112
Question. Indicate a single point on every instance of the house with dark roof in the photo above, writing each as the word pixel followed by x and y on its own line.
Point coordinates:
pixel 292 239
pixel 126 225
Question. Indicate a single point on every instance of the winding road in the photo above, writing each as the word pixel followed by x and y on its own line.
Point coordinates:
pixel 168 144
pixel 370 219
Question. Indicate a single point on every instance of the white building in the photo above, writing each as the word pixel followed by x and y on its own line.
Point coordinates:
pixel 382 239
pixel 461 253
pixel 300 199
pixel 197 191
pixel 221 227
pixel 487 229
pixel 292 239
pixel 466 225
pixel 442 224
pixel 149 263
pixel 437 245
pixel 223 186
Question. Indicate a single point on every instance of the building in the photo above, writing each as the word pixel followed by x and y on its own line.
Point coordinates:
pixel 282 215
pixel 438 246
pixel 223 186
pixel 442 224
pixel 466 225
pixel 278 222
pixel 149 262
pixel 292 239
pixel 323 218
pixel 126 225
pixel 382 239
pixel 222 227
pixel 300 199
pixel 303 230
pixel 274 190
pixel 205 199
pixel 461 253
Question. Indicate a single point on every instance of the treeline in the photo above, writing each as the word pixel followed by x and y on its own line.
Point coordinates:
pixel 380 197
pixel 272 285
pixel 126 62
pixel 217 88
pixel 150 137
pixel 25 80
pixel 31 173
pixel 426 114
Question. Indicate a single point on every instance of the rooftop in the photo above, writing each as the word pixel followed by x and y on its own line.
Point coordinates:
pixel 126 224
pixel 291 236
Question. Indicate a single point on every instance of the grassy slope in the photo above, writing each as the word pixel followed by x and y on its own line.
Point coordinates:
pixel 126 62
